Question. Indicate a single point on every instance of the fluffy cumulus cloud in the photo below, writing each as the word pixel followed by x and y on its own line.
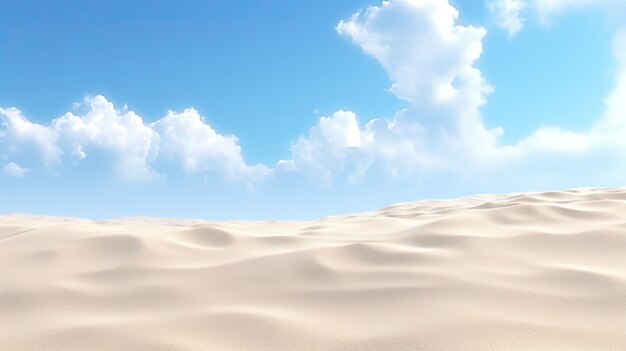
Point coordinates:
pixel 427 55
pixel 121 135
pixel 431 60
pixel 334 147
pixel 20 137
pixel 188 141
pixel 123 139
pixel 339 147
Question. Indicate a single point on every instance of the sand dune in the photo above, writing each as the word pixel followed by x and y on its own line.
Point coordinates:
pixel 533 271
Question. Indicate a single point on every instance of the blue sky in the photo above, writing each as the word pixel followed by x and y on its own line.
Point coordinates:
pixel 282 109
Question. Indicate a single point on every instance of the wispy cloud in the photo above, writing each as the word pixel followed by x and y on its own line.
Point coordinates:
pixel 508 14
pixel 511 15
pixel 13 169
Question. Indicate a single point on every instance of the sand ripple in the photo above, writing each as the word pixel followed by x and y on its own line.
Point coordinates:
pixel 532 271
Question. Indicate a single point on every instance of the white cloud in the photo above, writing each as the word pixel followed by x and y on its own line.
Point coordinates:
pixel 427 55
pixel 616 101
pixel 608 134
pixel 336 145
pixel 430 59
pixel 124 139
pixel 612 128
pixel 19 137
pixel 508 14
pixel 548 8
pixel 13 169
pixel 120 134
pixel 186 139
pixel 339 147
pixel 554 140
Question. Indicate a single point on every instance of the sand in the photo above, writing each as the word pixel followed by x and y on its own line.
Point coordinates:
pixel 533 271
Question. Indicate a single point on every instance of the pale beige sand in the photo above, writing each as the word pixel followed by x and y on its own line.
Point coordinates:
pixel 541 271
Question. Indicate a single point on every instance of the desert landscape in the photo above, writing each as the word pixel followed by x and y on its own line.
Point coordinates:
pixel 419 175
pixel 526 271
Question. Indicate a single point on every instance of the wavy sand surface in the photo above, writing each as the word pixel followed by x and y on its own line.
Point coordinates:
pixel 535 271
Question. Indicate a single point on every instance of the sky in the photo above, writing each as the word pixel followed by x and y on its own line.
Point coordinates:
pixel 275 109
